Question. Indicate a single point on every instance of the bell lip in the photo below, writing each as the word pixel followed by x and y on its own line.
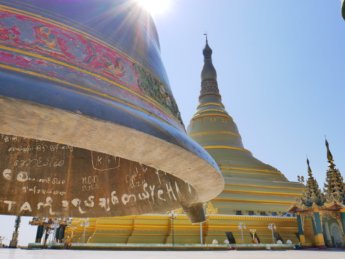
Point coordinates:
pixel 343 8
pixel 36 121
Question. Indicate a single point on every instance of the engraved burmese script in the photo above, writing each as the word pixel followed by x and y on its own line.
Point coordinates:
pixel 49 179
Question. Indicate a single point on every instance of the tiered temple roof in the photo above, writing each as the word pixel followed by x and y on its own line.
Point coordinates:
pixel 324 211
pixel 312 193
pixel 334 186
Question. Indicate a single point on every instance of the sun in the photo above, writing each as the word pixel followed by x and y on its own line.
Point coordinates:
pixel 155 6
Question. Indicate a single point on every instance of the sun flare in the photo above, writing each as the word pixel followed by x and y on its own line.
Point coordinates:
pixel 155 6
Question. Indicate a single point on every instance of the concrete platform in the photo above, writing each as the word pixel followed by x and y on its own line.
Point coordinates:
pixel 77 254
pixel 164 247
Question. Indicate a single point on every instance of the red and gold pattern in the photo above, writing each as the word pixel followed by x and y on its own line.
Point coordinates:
pixel 50 50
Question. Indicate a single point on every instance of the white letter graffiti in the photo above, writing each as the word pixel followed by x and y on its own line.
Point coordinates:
pixel 104 203
pixel 145 195
pixel 126 198
pixel 170 191
pixel 160 193
pixel 22 177
pixel 9 203
pixel 114 199
pixel 7 174
pixel 64 204
pixel 25 207
pixel 90 202
pixel 76 203
pixel 152 189
pixel 49 204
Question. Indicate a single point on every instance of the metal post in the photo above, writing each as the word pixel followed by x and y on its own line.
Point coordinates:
pixel 172 217
pixel 56 226
pixel 172 231
pixel 84 234
pixel 253 232
pixel 272 227
pixel 14 240
pixel 201 234
pixel 242 226
pixel 48 227
pixel 85 224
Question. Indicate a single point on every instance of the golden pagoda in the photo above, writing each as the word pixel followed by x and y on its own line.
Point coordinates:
pixel 251 209
pixel 251 186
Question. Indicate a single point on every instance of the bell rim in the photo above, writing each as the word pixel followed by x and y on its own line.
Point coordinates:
pixel 204 177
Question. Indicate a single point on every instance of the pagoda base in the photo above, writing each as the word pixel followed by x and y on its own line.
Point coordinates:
pixel 159 229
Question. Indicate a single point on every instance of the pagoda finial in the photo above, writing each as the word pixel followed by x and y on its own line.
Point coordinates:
pixel 310 172
pixel 207 50
pixel 209 85
pixel 205 34
pixel 329 154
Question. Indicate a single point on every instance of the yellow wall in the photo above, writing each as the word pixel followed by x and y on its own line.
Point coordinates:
pixel 156 229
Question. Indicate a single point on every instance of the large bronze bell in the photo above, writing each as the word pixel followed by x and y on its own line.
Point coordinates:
pixel 89 126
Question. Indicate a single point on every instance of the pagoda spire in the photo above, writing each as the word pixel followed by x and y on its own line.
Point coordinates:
pixel 334 185
pixel 206 38
pixel 329 155
pixel 209 84
pixel 310 172
pixel 312 193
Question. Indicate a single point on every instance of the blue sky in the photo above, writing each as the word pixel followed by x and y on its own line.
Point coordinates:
pixel 280 70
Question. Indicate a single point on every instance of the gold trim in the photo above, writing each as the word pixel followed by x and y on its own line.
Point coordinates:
pixel 79 87
pixel 260 226
pixel 35 55
pixel 262 176
pixel 235 173
pixel 227 147
pixel 269 187
pixel 250 169
pixel 225 171
pixel 66 27
pixel 211 110
pixel 210 115
pixel 63 26
pixel 250 218
pixel 253 201
pixel 263 193
pixel 205 133
pixel 147 99
pixel 211 103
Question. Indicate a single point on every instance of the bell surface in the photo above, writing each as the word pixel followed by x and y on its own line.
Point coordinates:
pixel 89 126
